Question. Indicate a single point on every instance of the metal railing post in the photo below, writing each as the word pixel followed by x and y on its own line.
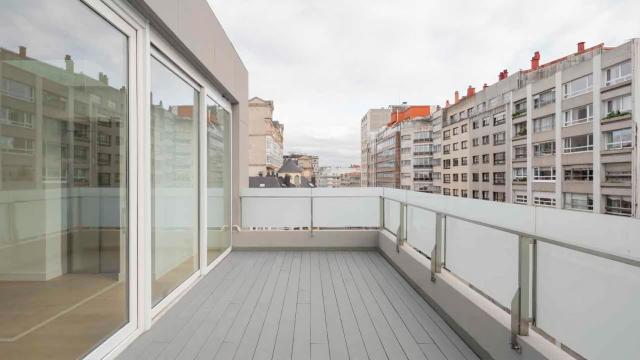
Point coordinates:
pixel 311 220
pixel 381 212
pixel 436 253
pixel 401 228
pixel 520 302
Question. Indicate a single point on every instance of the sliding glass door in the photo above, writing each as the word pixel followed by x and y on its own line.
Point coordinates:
pixel 64 191
pixel 218 179
pixel 174 179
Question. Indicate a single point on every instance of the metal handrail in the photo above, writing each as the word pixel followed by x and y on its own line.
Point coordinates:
pixel 583 249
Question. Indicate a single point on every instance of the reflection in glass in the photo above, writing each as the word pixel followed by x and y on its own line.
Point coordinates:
pixel 218 192
pixel 174 180
pixel 63 180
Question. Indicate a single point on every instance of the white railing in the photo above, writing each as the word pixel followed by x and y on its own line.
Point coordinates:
pixel 573 275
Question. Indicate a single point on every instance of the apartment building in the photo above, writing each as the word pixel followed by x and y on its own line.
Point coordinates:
pixel 266 138
pixel 370 123
pixel 405 148
pixel 560 134
pixel 120 131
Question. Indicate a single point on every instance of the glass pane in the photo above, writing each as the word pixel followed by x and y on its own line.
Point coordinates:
pixel 174 180
pixel 63 180
pixel 218 190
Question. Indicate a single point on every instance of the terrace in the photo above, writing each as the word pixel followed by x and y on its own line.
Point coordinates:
pixel 394 274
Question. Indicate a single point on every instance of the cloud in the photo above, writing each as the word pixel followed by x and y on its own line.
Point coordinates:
pixel 325 63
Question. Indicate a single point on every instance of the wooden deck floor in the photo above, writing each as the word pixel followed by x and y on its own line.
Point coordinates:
pixel 301 305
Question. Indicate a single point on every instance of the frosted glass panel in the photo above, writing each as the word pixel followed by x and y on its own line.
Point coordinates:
pixel 346 212
pixel 589 303
pixel 486 258
pixel 421 229
pixel 391 215
pixel 276 212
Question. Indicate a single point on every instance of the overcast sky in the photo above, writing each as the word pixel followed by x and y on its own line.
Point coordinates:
pixel 325 63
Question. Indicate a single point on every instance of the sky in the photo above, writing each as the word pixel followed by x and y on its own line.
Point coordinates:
pixel 325 63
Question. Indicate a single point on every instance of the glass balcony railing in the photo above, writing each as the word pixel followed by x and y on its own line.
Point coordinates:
pixel 550 269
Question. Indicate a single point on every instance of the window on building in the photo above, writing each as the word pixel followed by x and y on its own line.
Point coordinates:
pixel 475 124
pixel 485 177
pixel 519 108
pixel 475 177
pixel 520 152
pixel 463 193
pixel 104 179
pixel 493 102
pixel 544 148
pixel 520 198
pixel 80 152
pixel 545 173
pixel 617 173
pixel 499 196
pixel 475 194
pixel 446 178
pixel 104 159
pixel 618 139
pixel 104 139
pixel 455 146
pixel 486 121
pixel 464 128
pixel 578 115
pixel 499 119
pixel 618 205
pixel 446 191
pixel 446 149
pixel 544 199
pixel 498 178
pixel 463 161
pixel 16 89
pixel 16 118
pixel 617 106
pixel 499 158
pixel 578 143
pixel 499 138
pixel 617 73
pixel 485 195
pixel 455 131
pixel 475 159
pixel 81 132
pixel 446 135
pixel 544 98
pixel 81 175
pixel 463 144
pixel 455 177
pixel 543 124
pixel 463 177
pixel 485 158
pixel 475 141
pixel 455 192
pixel 455 162
pixel 520 129
pixel 485 140
pixel 578 86
pixel 520 174
pixel 577 201
pixel 578 173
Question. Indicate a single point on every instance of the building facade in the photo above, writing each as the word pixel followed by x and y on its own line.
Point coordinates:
pixel 122 124
pixel 307 163
pixel 561 134
pixel 266 138
pixel 370 123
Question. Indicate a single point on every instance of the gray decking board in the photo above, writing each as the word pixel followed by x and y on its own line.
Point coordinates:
pixel 301 305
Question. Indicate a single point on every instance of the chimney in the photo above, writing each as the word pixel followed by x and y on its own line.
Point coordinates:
pixel 456 97
pixel 471 91
pixel 103 78
pixel 535 61
pixel 580 47
pixel 485 86
pixel 501 76
pixel 68 63
pixel 505 73
pixel 446 104
pixel 22 51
